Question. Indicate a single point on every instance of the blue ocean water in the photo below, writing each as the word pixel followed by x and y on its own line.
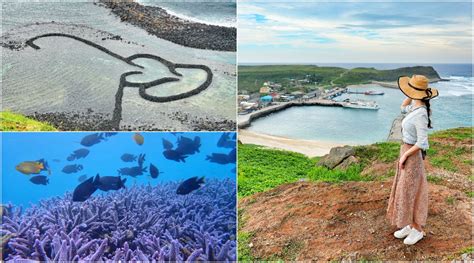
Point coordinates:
pixel 453 108
pixel 221 13
pixel 103 159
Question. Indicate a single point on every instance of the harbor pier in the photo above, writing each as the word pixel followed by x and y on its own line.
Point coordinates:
pixel 244 121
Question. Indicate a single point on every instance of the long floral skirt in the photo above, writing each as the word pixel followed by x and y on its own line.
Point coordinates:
pixel 408 201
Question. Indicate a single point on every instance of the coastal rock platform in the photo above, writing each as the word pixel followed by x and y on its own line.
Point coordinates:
pixel 81 78
pixel 158 22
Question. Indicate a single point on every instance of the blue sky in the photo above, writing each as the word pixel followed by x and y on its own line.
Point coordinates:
pixel 354 32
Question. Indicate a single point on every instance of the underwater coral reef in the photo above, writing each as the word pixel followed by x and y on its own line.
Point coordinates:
pixel 143 223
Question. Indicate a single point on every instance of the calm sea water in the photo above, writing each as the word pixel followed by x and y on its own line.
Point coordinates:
pixel 453 108
pixel 104 159
pixel 221 13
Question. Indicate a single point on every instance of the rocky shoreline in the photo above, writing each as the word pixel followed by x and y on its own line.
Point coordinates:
pixel 92 121
pixel 156 21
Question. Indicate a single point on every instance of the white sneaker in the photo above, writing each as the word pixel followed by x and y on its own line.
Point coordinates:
pixel 402 233
pixel 413 237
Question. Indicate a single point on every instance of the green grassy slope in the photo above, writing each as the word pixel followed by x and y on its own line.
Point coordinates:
pixel 261 169
pixel 251 78
pixel 10 121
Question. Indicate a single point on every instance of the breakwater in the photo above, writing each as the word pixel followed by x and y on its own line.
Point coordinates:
pixel 156 21
pixel 394 84
pixel 114 123
pixel 244 121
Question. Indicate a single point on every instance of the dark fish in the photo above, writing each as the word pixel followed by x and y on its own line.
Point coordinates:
pixel 106 183
pixel 190 185
pixel 225 141
pixel 141 159
pixel 40 179
pixel 138 138
pixel 220 158
pixel 167 144
pixel 72 168
pixel 132 171
pixel 126 157
pixel 154 172
pixel 84 190
pixel 175 156
pixel 188 146
pixel 232 156
pixel 136 170
pixel 197 142
pixel 56 160
pixel 82 178
pixel 230 144
pixel 78 154
pixel 110 134
pixel 92 139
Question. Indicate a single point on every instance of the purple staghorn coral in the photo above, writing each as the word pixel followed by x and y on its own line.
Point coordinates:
pixel 140 223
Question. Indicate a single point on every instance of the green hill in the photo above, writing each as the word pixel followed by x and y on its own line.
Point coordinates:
pixel 251 78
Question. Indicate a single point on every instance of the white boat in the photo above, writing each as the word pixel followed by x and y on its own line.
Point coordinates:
pixel 360 104
pixel 369 92
pixel 373 92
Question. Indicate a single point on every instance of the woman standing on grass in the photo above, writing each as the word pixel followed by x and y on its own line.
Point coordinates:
pixel 408 203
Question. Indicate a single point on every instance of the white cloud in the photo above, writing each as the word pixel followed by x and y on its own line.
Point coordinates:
pixel 421 43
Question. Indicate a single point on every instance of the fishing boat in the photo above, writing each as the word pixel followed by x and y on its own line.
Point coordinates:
pixel 369 92
pixel 373 92
pixel 360 104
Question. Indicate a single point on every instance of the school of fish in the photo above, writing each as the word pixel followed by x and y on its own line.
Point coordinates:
pixel 184 147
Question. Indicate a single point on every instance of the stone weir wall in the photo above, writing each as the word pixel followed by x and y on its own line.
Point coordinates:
pixel 156 21
pixel 245 121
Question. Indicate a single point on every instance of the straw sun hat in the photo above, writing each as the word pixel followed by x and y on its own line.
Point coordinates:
pixel 416 87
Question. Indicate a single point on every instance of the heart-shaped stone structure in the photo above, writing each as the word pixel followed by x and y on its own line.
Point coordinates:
pixel 142 86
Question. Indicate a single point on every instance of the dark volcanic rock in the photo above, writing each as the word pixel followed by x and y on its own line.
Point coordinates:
pixel 336 156
pixel 92 121
pixel 158 22
pixel 75 121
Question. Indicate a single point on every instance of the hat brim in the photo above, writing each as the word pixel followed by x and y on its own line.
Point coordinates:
pixel 413 93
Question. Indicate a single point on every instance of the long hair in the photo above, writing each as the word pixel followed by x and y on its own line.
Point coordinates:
pixel 427 103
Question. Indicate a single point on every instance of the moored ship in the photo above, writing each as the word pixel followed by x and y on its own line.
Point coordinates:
pixel 360 104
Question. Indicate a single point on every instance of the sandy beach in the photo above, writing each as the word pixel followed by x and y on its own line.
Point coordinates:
pixel 309 148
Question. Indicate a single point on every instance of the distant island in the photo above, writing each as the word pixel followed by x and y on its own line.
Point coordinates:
pixel 306 78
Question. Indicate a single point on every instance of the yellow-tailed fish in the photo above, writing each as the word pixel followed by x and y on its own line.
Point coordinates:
pixel 32 167
pixel 138 138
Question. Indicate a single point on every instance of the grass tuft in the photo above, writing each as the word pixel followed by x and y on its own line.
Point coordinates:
pixel 434 179
pixel 261 169
pixel 10 121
